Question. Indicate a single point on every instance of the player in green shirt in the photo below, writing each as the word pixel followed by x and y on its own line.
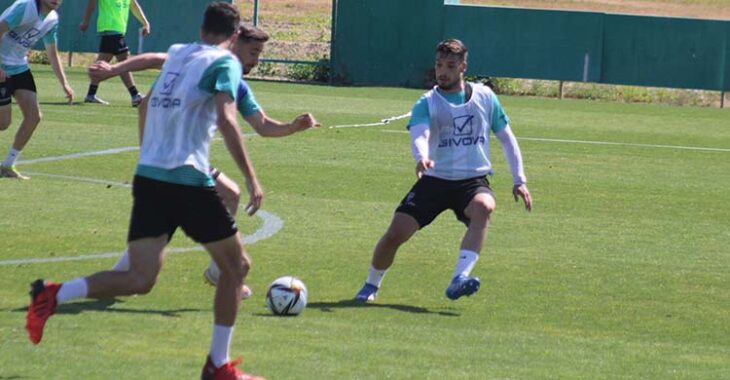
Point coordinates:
pixel 112 26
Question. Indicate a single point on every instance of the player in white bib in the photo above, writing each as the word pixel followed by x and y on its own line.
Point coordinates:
pixel 248 48
pixel 22 25
pixel 193 96
pixel 450 127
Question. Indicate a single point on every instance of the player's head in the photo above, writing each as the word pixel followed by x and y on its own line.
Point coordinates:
pixel 450 63
pixel 220 22
pixel 51 4
pixel 249 45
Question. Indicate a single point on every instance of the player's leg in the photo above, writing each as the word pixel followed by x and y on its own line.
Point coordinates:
pixel 28 102
pixel 104 55
pixel 401 228
pixel 5 106
pixel 146 261
pixel 230 194
pixel 128 80
pixel 208 222
pixel 476 215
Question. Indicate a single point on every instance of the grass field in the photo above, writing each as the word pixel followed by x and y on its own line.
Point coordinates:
pixel 621 270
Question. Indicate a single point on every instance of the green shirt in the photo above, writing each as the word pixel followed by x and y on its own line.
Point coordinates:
pixel 113 16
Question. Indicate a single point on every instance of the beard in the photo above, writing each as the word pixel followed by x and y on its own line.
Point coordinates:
pixel 448 86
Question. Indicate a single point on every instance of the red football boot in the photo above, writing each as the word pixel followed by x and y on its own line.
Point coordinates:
pixel 226 372
pixel 42 306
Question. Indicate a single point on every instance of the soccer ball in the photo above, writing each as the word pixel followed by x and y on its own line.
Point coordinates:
pixel 286 296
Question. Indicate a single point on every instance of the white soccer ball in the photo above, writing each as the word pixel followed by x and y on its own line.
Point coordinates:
pixel 287 296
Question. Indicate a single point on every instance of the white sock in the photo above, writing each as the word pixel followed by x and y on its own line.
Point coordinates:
pixel 375 277
pixel 72 289
pixel 11 158
pixel 466 262
pixel 221 345
pixel 123 264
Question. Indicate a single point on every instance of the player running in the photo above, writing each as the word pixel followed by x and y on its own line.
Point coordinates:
pixel 248 48
pixel 194 94
pixel 22 25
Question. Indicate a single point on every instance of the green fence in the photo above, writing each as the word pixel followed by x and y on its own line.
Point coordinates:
pixel 391 43
pixel 172 21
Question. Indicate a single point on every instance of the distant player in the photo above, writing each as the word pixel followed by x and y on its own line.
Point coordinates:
pixel 194 94
pixel 248 48
pixel 21 26
pixel 449 130
pixel 111 25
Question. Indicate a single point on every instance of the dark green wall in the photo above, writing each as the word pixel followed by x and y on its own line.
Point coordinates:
pixel 391 43
pixel 172 21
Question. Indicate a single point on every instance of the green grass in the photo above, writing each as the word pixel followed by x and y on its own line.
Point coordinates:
pixel 620 271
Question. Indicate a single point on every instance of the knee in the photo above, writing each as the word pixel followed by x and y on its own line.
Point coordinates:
pixel 482 210
pixel 394 238
pixel 34 119
pixel 239 270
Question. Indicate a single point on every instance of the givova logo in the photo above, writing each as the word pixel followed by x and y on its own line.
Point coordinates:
pixel 27 39
pixel 168 85
pixel 462 133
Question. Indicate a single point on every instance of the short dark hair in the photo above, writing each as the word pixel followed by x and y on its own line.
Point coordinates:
pixel 452 47
pixel 221 19
pixel 248 32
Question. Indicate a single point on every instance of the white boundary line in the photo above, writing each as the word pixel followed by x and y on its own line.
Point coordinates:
pixel 605 143
pixel 272 225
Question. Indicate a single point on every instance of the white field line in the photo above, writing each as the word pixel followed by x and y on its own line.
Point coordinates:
pixel 272 225
pixel 96 153
pixel 699 148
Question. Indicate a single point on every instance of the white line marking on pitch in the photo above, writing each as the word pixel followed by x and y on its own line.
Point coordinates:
pixel 96 153
pixel 606 143
pixel 272 225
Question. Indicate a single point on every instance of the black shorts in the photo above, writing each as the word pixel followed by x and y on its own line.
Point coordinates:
pixel 430 196
pixel 22 81
pixel 160 207
pixel 113 44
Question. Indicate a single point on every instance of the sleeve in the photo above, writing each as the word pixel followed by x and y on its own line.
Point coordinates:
pixel 51 37
pixel 224 75
pixel 246 101
pixel 513 154
pixel 14 15
pixel 419 114
pixel 500 120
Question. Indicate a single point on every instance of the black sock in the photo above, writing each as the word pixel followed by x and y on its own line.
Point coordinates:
pixel 92 89
pixel 133 91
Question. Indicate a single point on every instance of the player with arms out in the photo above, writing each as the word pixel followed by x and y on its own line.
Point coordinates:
pixel 194 94
pixel 248 48
pixel 112 26
pixel 449 129
pixel 21 26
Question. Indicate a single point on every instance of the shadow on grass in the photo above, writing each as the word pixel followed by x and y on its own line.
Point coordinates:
pixel 11 377
pixel 349 303
pixel 105 305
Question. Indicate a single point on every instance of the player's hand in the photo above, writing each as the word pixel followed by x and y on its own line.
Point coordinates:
pixel 83 26
pixel 69 93
pixel 521 191
pixel 146 30
pixel 422 166
pixel 100 71
pixel 304 122
pixel 256 196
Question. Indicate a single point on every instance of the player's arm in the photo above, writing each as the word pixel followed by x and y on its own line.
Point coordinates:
pixel 420 131
pixel 142 116
pixel 229 128
pixel 514 157
pixel 101 70
pixel 90 7
pixel 58 70
pixel 269 127
pixel 4 28
pixel 139 14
